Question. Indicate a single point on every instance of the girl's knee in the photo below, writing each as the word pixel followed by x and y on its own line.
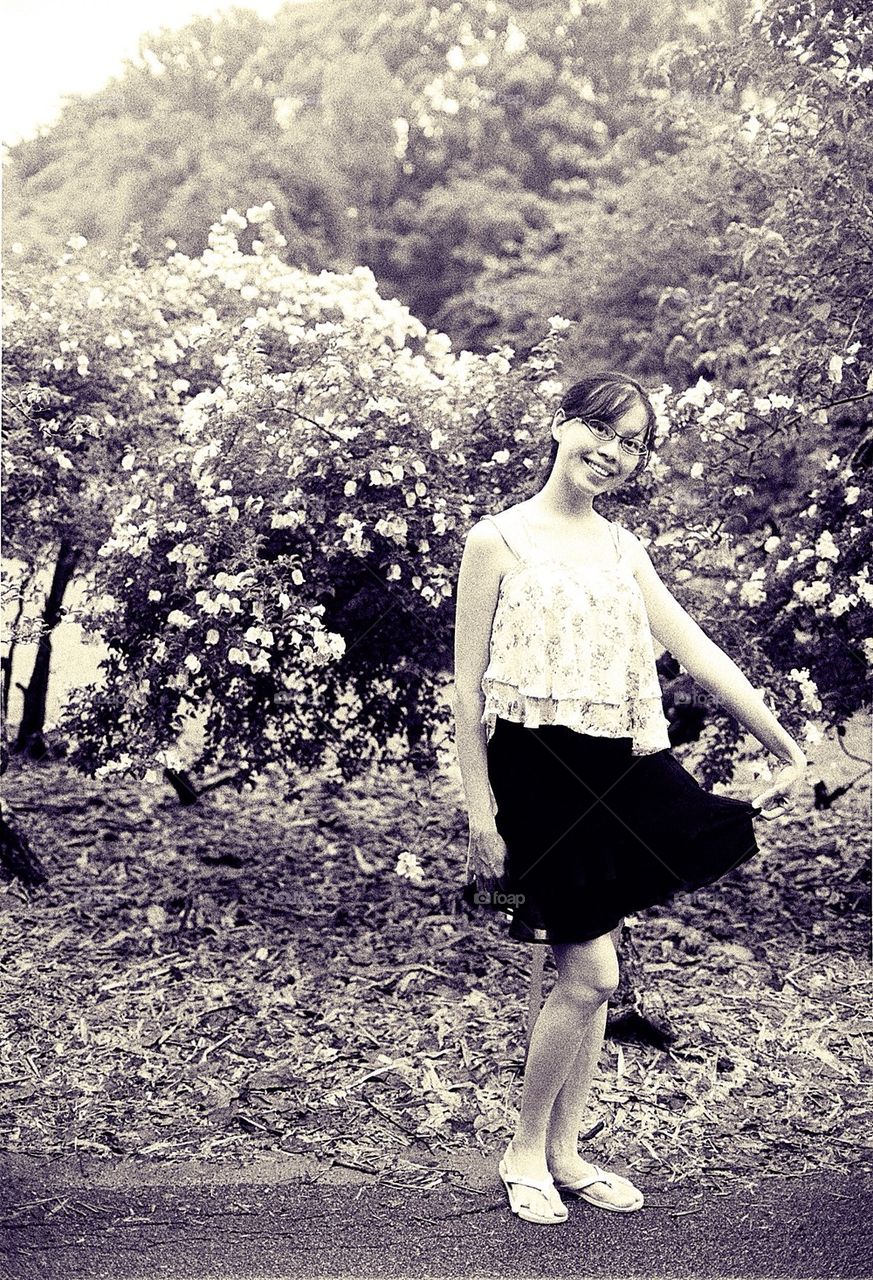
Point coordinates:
pixel 591 989
pixel 597 991
pixel 588 974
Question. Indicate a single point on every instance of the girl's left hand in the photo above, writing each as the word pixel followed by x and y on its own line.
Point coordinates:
pixel 784 791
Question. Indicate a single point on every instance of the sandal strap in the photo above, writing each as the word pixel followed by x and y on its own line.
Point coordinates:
pixel 599 1175
pixel 545 1186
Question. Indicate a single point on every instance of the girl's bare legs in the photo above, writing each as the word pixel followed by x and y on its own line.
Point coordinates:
pixel 569 1112
pixel 569 1031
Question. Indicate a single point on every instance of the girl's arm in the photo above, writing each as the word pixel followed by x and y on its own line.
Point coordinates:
pixel 709 665
pixel 475 603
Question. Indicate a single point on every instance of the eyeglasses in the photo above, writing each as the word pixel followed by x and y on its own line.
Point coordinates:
pixel 603 431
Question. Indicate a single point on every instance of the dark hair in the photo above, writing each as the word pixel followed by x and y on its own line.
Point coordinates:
pixel 606 396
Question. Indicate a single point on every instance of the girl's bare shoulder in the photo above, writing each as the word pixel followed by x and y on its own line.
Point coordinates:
pixel 635 550
pixel 486 528
pixel 484 537
pixel 627 537
pixel 494 541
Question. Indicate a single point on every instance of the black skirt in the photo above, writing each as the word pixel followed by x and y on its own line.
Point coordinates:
pixel 594 833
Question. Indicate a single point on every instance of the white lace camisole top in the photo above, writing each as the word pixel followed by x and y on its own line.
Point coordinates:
pixel 571 645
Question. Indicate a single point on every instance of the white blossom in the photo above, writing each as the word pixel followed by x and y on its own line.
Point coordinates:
pixel 809 693
pixel 234 219
pixel 696 395
pixel 713 410
pixel 825 547
pixel 863 586
pixel 841 604
pixel 751 592
pixel 260 213
pixel 409 868
pixel 516 40
pixel 811 593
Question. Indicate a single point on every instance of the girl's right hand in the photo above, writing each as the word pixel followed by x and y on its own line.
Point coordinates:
pixel 784 791
pixel 486 859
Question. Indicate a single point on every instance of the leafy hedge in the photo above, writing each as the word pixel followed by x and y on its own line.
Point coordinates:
pixel 269 475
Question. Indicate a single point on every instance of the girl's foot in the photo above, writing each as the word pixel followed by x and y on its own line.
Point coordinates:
pixel 595 1185
pixel 531 1191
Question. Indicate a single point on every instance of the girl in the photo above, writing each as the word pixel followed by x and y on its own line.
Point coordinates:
pixel 559 718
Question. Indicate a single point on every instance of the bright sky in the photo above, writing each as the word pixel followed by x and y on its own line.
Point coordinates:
pixel 55 47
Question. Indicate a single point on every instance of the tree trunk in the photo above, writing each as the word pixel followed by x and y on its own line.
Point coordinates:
pixel 17 860
pixel 31 731
pixel 4 745
pixel 186 788
pixel 183 786
pixel 6 661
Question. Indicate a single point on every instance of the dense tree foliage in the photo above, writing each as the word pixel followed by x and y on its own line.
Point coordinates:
pixel 797 267
pixel 682 184
pixel 437 144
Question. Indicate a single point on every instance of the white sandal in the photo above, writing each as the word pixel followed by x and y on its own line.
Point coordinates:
pixel 544 1186
pixel 612 1181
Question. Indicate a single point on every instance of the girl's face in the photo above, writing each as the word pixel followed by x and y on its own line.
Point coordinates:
pixel 599 465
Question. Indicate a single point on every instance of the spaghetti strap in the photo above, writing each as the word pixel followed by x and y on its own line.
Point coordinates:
pixel 498 525
pixel 619 549
pixel 522 544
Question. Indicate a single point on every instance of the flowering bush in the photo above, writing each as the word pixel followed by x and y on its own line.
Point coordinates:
pixel 288 470
pixel 792 607
pixel 90 361
pixel 280 562
pixel 783 463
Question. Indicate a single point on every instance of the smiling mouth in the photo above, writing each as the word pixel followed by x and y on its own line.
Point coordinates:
pixel 600 472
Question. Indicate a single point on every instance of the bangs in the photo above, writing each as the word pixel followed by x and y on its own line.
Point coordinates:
pixel 605 399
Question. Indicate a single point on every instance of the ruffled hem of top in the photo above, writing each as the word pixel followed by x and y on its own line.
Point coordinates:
pixel 642 721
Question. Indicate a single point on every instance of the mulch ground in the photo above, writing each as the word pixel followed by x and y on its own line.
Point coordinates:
pixel 250 975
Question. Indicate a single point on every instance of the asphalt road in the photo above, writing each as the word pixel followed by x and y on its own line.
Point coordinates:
pixel 227 1226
